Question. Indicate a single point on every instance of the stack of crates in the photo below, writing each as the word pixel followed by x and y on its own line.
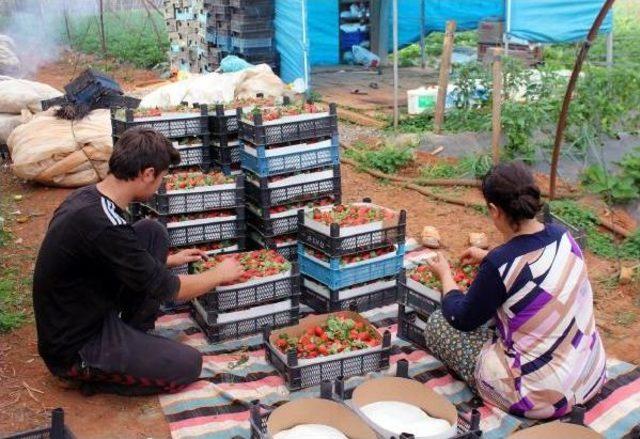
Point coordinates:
pixel 354 266
pixel 200 207
pixel 242 309
pixel 186 25
pixel 225 149
pixel 290 163
pixel 252 31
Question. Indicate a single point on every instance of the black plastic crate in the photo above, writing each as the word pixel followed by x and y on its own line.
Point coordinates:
pixel 420 303
pixel 175 127
pixel 335 245
pixel 272 226
pixel 288 250
pixel 408 329
pixel 381 296
pixel 194 234
pixel 267 197
pixel 57 430
pixel 226 151
pixel 216 198
pixel 196 154
pixel 254 34
pixel 216 333
pixel 249 3
pixel 223 122
pixel 260 134
pixel 92 82
pixel 299 377
pixel 257 294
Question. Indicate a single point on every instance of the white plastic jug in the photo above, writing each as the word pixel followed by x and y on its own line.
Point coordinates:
pixel 422 99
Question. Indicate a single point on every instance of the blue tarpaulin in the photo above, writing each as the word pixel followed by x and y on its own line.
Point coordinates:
pixel 308 30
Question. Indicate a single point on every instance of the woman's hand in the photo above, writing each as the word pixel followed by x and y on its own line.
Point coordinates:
pixel 185 257
pixel 439 265
pixel 473 255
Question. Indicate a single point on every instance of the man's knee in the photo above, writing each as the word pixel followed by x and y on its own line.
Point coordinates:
pixel 149 228
pixel 190 364
pixel 154 237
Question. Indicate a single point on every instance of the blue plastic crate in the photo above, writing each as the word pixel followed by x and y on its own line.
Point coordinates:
pixel 303 159
pixel 336 277
pixel 349 39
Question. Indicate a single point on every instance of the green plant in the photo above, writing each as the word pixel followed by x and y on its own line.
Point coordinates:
pixel 131 37
pixel 475 165
pixel 626 318
pixel 630 166
pixel 387 159
pixel 614 188
pixel 11 297
pixel 601 244
pixel 439 170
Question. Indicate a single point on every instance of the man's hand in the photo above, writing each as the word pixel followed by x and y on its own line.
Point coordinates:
pixel 473 255
pixel 185 257
pixel 228 271
pixel 439 265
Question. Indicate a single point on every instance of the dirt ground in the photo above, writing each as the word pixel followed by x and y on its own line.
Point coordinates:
pixel 28 392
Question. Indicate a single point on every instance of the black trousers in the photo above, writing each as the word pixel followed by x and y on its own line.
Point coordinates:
pixel 123 358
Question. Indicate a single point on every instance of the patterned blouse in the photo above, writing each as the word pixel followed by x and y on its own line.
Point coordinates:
pixel 547 354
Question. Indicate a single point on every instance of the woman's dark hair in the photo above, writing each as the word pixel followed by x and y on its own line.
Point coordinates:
pixel 139 149
pixel 511 187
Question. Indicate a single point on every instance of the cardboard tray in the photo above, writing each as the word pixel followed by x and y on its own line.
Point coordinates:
pixel 318 411
pixel 407 391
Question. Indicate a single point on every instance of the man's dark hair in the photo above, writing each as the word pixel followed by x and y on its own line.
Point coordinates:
pixel 139 149
pixel 512 188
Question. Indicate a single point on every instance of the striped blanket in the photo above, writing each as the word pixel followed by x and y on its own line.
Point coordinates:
pixel 217 406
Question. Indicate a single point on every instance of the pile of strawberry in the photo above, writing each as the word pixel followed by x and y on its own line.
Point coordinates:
pixel 190 180
pixel 299 205
pixel 463 275
pixel 274 113
pixel 356 257
pixel 157 112
pixel 351 215
pixel 338 334
pixel 197 216
pixel 259 263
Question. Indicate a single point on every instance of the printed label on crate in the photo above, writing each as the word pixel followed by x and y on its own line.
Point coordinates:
pixel 179 146
pixel 257 238
pixel 326 264
pixel 255 281
pixel 349 293
pixel 293 118
pixel 297 179
pixel 195 222
pixel 253 312
pixel 390 219
pixel 285 150
pixel 219 187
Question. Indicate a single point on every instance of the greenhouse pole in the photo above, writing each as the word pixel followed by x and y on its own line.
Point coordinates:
pixel 507 27
pixel 610 49
pixel 395 64
pixel 497 105
pixel 443 81
pixel 305 45
pixel 423 61
pixel 564 113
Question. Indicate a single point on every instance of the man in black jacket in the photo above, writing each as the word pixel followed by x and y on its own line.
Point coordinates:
pixel 99 281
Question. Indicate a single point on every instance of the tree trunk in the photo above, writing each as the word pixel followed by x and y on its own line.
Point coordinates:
pixel 103 37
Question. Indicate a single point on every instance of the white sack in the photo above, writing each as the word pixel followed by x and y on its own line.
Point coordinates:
pixel 8 122
pixel 216 88
pixel 20 94
pixel 58 152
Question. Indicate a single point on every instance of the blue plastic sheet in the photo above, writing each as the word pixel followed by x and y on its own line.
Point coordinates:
pixel 288 23
pixel 324 32
pixel 555 21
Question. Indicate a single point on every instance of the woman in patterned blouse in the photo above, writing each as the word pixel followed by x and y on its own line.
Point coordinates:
pixel 545 354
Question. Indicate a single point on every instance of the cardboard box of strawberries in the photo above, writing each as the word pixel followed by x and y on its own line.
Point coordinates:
pixel 326 337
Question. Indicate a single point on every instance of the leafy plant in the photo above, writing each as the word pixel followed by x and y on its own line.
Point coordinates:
pixel 615 188
pixel 601 244
pixel 476 166
pixel 630 165
pixel 387 159
pixel 439 170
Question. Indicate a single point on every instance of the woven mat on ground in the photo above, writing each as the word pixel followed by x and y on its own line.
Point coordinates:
pixel 216 407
